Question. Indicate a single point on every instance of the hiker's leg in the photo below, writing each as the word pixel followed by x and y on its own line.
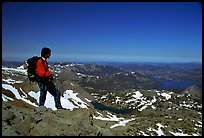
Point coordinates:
pixel 51 88
pixel 56 93
pixel 57 98
pixel 43 92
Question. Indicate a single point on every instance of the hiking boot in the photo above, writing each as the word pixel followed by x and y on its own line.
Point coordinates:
pixel 61 108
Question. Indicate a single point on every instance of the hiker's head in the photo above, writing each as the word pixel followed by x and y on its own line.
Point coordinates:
pixel 45 52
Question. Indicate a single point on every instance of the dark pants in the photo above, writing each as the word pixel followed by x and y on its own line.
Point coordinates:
pixel 44 87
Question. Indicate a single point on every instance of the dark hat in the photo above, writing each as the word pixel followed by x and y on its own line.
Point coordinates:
pixel 45 51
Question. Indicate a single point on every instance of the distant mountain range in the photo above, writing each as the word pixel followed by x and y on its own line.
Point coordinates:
pixel 168 71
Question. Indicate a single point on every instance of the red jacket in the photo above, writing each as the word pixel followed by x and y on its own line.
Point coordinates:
pixel 42 69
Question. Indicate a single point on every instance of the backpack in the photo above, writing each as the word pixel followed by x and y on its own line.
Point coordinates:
pixel 31 65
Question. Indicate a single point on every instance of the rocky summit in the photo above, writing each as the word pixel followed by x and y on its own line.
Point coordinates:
pixel 92 108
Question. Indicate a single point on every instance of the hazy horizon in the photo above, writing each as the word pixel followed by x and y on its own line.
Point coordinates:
pixel 113 62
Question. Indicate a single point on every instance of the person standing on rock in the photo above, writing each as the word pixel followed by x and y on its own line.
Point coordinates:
pixel 46 76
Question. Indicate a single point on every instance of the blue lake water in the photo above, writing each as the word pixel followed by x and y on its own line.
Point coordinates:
pixel 111 109
pixel 169 84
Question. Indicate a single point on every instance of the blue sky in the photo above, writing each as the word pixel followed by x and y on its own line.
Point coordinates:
pixel 103 31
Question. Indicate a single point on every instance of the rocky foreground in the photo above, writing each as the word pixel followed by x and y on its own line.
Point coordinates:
pixel 41 121
pixel 23 120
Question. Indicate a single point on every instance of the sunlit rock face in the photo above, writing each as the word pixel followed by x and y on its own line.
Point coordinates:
pixel 193 90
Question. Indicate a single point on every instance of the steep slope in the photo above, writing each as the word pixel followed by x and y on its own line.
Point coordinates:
pixel 193 90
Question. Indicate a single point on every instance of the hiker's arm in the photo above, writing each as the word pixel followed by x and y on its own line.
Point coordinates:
pixel 48 74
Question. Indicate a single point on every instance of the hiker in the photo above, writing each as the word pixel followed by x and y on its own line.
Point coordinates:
pixel 46 76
